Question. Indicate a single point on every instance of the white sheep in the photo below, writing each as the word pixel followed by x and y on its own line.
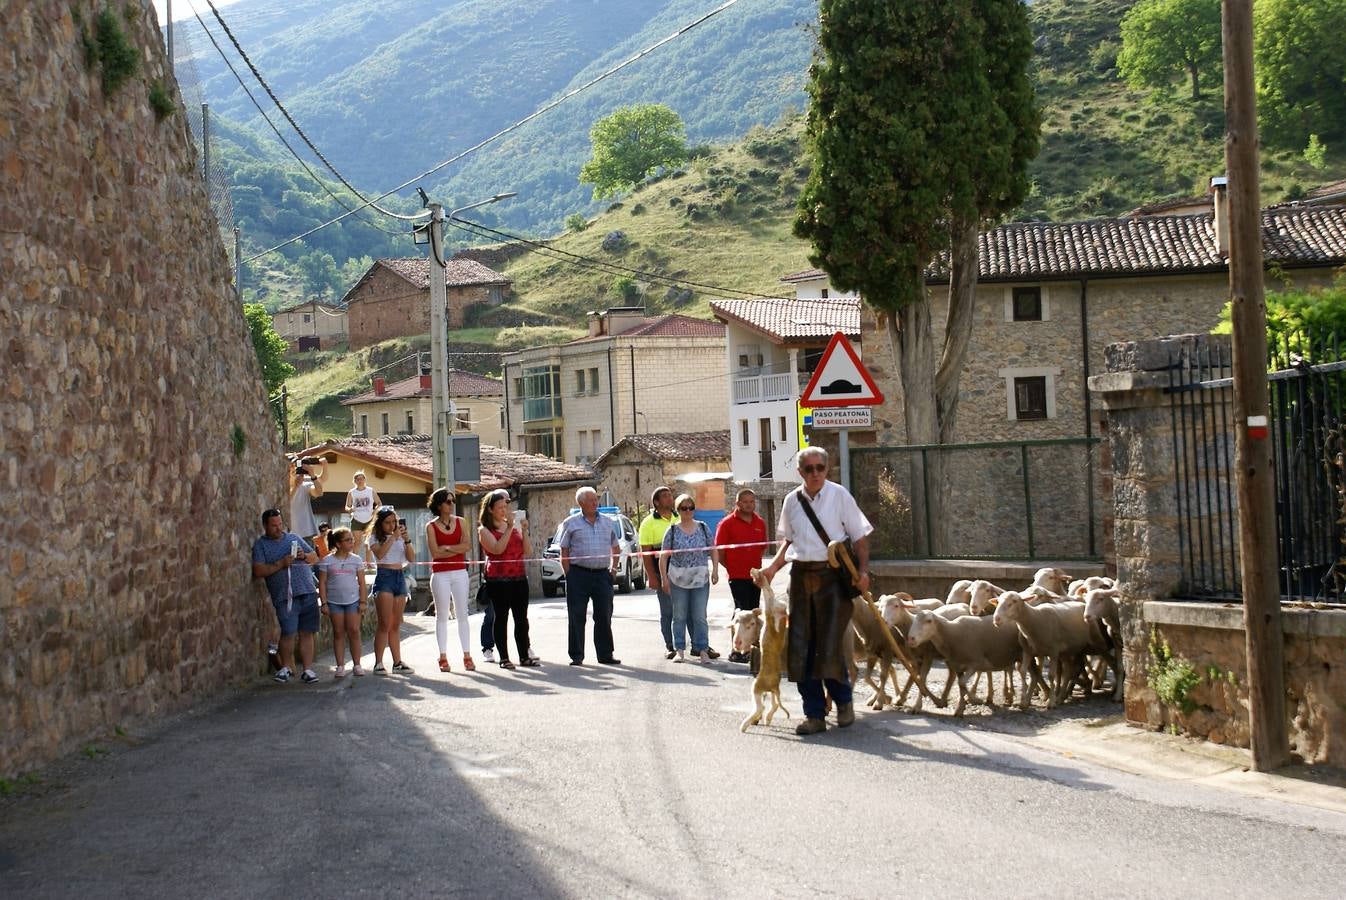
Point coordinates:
pixel 1100 611
pixel 1054 580
pixel 967 644
pixel 1055 631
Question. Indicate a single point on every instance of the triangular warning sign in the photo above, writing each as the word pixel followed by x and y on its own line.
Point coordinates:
pixel 841 379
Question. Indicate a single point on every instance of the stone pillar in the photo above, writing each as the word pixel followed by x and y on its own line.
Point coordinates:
pixel 1143 527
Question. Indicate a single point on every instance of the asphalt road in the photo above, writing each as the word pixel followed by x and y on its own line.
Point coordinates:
pixel 630 781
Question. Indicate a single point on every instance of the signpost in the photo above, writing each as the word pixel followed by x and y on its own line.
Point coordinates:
pixel 841 393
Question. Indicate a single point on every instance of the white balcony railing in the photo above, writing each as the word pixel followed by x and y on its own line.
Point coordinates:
pixel 762 388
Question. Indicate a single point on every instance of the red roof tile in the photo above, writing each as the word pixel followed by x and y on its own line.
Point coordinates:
pixel 677 445
pixel 793 321
pixel 461 384
pixel 500 468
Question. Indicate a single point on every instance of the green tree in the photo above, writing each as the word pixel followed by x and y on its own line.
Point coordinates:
pixel 630 144
pixel 1310 322
pixel 921 123
pixel 1162 39
pixel 320 272
pixel 270 347
pixel 1301 70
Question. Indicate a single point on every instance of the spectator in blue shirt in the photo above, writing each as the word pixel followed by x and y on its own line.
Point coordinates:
pixel 286 561
pixel 589 554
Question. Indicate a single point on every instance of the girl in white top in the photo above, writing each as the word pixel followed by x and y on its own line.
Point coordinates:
pixel 341 586
pixel 388 543
pixel 361 501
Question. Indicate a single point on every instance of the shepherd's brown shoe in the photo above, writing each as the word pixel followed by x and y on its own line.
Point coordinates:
pixel 810 726
pixel 845 715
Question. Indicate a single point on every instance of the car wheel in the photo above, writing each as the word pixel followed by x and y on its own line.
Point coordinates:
pixel 549 589
pixel 624 583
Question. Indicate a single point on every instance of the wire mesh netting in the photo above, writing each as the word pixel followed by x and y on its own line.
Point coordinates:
pixel 198 121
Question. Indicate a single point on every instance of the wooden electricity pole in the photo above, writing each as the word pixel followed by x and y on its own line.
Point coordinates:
pixel 1254 476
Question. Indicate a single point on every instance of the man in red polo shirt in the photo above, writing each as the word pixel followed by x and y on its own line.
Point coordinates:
pixel 742 526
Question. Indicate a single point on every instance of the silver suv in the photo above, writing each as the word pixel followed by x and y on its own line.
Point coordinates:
pixel 630 571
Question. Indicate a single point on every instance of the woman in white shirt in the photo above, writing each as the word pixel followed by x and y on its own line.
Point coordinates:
pixel 361 501
pixel 341 590
pixel 392 551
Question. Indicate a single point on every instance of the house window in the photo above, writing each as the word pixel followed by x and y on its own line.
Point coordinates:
pixel 541 393
pixel 1027 304
pixel 307 318
pixel 1030 397
pixel 782 428
pixel 502 418
pixel 385 423
pixel 518 389
pixel 750 356
pixel 364 425
pixel 593 381
pixel 1030 393
pixel 579 382
pixel 823 293
pixel 411 423
pixel 462 420
pixel 743 432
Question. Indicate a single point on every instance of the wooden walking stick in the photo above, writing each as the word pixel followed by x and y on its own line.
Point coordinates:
pixel 839 554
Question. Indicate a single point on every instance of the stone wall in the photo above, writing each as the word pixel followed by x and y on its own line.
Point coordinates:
pixel 137 449
pixel 386 305
pixel 1144 527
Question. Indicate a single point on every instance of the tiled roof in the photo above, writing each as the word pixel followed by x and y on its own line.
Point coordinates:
pixel 457 272
pixel 1335 189
pixel 667 325
pixel 1175 206
pixel 806 275
pixel 500 468
pixel 304 304
pixel 677 445
pixel 461 384
pixel 793 321
pixel 1153 245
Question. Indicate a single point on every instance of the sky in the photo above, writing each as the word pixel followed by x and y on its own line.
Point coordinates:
pixel 181 9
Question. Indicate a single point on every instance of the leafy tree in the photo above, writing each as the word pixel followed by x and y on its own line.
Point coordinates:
pixel 1301 70
pixel 630 144
pixel 921 123
pixel 1315 154
pixel 270 347
pixel 320 272
pixel 576 222
pixel 1162 39
pixel 1309 322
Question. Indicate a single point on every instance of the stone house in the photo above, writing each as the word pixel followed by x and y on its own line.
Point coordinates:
pixel 632 373
pixel 400 469
pixel 403 407
pixel 310 325
pixel 772 347
pixel 695 463
pixel 392 298
pixel 1050 298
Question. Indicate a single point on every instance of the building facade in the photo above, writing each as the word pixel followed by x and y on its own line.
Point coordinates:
pixel 392 298
pixel 695 463
pixel 632 374
pixel 404 407
pixel 310 325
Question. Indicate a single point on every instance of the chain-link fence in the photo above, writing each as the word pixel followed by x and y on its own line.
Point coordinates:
pixel 1026 500
pixel 203 137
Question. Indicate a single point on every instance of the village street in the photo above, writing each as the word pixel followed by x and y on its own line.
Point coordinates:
pixel 630 781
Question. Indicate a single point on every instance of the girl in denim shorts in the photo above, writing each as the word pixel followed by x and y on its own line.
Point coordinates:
pixel 341 586
pixel 388 543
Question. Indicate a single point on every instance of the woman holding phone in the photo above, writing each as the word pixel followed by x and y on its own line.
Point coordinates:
pixel 449 542
pixel 504 541
pixel 392 551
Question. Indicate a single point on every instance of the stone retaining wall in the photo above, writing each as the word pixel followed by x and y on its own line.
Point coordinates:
pixel 137 449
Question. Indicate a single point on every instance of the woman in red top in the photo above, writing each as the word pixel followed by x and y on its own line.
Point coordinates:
pixel 447 538
pixel 504 540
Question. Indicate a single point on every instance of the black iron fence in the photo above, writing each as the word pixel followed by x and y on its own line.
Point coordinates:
pixel 1307 400
pixel 1012 500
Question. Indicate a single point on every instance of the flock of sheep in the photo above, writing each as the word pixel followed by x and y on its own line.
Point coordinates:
pixel 1056 634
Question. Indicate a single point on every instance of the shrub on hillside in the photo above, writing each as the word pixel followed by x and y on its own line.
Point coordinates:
pixel 576 222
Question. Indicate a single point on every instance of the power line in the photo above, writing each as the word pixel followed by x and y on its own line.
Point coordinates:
pixel 286 113
pixel 603 265
pixel 322 184
pixel 519 124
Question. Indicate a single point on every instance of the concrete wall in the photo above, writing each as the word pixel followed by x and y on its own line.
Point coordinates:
pixel 137 450
pixel 311 320
pixel 388 306
pixel 631 475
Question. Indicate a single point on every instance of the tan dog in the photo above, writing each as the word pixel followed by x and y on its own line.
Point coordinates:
pixel 775 641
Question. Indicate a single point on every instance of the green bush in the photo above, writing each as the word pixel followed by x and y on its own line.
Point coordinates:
pixel 576 222
pixel 161 102
pixel 117 57
pixel 1171 677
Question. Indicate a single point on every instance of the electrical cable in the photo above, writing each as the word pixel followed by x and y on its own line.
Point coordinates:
pixel 286 113
pixel 519 124
pixel 602 265
pixel 322 184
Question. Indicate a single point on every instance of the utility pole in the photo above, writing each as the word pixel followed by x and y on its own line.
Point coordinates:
pixel 205 148
pixel 238 268
pixel 1255 476
pixel 441 436
pixel 284 417
pixel 168 21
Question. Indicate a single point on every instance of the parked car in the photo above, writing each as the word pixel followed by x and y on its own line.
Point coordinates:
pixel 630 571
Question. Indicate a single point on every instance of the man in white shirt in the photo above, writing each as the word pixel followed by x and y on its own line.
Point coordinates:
pixel 820 598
